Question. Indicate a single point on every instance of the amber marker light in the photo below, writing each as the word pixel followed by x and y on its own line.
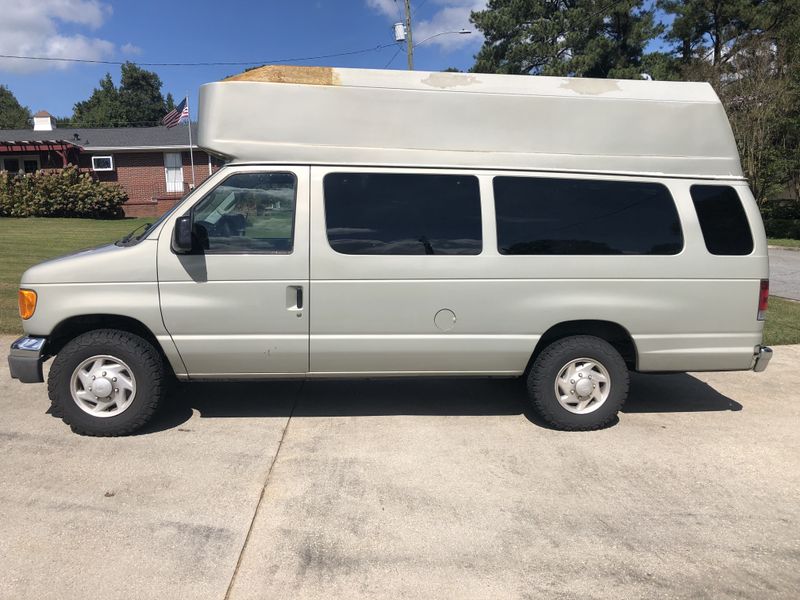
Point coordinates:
pixel 27 304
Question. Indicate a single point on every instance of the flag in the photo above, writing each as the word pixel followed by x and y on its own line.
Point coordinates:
pixel 179 114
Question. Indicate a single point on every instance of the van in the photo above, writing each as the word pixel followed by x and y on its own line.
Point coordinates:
pixel 388 224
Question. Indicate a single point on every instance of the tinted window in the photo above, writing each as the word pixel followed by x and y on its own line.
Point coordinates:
pixel 722 220
pixel 578 216
pixel 248 213
pixel 394 213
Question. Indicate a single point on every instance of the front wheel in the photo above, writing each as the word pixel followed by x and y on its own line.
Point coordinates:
pixel 578 383
pixel 106 383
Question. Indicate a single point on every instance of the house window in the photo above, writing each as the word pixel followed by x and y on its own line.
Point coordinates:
pixel 102 163
pixel 173 171
pixel 17 164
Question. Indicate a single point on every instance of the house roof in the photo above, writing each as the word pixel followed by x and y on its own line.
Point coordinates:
pixel 110 138
pixel 42 113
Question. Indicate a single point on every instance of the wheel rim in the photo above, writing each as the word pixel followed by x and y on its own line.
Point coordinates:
pixel 103 386
pixel 582 385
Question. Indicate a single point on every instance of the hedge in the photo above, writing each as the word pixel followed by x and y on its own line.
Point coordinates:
pixel 63 193
pixel 782 219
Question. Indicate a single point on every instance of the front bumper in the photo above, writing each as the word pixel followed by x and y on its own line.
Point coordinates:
pixel 762 358
pixel 26 358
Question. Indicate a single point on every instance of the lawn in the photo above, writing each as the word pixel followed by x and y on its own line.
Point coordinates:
pixel 25 242
pixel 783 322
pixel 784 243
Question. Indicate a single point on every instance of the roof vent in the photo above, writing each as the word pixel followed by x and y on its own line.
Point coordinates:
pixel 43 121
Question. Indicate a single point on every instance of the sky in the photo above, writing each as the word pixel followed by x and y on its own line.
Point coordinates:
pixel 255 31
pixel 260 31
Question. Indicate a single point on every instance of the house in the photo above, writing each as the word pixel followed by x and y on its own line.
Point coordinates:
pixel 152 164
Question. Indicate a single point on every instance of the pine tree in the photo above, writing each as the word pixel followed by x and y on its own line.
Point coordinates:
pixel 137 102
pixel 588 38
pixel 12 114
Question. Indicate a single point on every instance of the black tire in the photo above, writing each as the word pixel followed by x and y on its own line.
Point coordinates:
pixel 547 367
pixel 138 354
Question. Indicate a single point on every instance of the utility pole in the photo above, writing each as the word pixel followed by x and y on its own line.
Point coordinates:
pixel 409 40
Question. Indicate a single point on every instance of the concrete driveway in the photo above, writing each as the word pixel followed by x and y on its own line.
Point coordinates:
pixel 409 489
pixel 784 273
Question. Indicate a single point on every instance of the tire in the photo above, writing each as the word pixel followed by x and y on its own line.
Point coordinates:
pixel 584 406
pixel 126 371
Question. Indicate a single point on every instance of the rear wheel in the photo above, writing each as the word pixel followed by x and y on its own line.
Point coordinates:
pixel 106 382
pixel 578 383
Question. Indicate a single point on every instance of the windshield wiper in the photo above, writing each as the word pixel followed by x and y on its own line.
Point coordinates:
pixel 128 237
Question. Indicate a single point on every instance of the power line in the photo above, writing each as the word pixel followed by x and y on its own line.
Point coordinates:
pixel 418 7
pixel 201 64
pixel 391 60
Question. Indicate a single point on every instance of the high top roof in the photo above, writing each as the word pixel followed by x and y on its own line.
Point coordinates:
pixel 415 118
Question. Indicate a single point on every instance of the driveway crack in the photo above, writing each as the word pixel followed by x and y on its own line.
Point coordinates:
pixel 263 493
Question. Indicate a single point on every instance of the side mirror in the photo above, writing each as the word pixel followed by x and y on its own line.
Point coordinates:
pixel 182 236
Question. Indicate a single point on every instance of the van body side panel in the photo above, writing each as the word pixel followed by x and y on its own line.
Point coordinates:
pixel 688 312
pixel 236 313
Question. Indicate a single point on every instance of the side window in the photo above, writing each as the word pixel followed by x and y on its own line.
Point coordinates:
pixel 539 215
pixel 403 213
pixel 248 213
pixel 722 220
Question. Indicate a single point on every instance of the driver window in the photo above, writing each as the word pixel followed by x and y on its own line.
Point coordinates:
pixel 248 213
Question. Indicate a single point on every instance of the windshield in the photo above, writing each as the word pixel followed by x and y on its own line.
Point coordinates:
pixel 137 236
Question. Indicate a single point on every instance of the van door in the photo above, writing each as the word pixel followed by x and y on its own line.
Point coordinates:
pixel 238 306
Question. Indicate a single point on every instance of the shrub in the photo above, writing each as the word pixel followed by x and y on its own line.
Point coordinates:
pixel 63 193
pixel 782 219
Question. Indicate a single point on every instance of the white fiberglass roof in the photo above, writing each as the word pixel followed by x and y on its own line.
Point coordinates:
pixel 322 115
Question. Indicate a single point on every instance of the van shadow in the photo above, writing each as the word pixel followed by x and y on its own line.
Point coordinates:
pixel 424 397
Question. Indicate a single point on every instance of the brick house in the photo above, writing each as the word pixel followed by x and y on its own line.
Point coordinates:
pixel 151 163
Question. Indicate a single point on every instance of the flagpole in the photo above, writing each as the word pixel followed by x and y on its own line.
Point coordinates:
pixel 191 152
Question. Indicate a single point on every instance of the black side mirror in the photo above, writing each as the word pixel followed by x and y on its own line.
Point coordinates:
pixel 182 236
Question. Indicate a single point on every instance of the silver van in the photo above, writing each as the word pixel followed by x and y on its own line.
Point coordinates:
pixel 387 224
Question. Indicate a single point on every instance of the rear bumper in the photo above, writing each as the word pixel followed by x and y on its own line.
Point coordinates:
pixel 25 359
pixel 762 357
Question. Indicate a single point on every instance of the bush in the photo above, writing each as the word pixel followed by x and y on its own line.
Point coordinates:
pixel 787 229
pixel 63 193
pixel 782 219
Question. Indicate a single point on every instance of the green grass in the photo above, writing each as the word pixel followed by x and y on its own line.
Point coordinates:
pixel 25 242
pixel 783 322
pixel 785 243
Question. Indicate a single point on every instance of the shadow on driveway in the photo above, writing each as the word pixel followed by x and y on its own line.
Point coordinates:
pixel 440 396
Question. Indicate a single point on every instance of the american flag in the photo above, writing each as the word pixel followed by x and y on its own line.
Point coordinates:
pixel 179 114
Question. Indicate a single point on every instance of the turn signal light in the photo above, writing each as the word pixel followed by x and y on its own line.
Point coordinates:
pixel 763 299
pixel 27 303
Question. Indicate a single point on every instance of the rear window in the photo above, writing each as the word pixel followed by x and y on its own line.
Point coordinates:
pixel 402 213
pixel 579 216
pixel 722 220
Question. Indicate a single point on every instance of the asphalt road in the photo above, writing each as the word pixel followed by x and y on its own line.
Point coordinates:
pixel 784 273
pixel 409 489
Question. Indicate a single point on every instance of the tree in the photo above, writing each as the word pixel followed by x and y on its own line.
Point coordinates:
pixel 592 38
pixel 709 29
pixel 749 50
pixel 102 109
pixel 12 114
pixel 137 102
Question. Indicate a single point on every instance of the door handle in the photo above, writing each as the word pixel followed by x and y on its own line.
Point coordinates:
pixel 294 298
